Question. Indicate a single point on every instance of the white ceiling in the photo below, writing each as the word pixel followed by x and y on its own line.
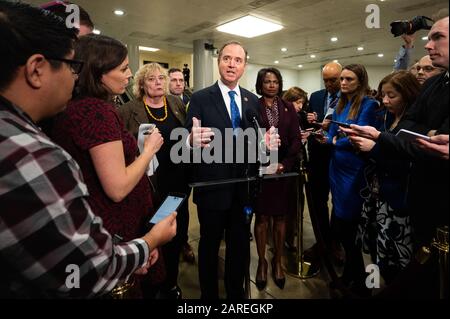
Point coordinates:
pixel 173 25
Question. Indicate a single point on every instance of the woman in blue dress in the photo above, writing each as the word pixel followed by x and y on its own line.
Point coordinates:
pixel 347 168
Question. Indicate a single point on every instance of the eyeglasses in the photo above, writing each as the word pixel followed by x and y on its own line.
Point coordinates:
pixel 160 78
pixel 427 68
pixel 75 65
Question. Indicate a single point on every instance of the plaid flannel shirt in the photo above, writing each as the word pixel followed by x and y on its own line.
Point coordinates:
pixel 48 233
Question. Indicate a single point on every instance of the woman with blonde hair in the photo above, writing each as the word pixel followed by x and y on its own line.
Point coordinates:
pixel 153 104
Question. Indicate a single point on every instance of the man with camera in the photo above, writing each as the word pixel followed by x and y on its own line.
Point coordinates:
pixel 423 69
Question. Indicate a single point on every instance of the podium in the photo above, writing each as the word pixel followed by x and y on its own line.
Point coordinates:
pixel 252 193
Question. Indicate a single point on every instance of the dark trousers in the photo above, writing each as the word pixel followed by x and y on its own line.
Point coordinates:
pixel 354 270
pixel 171 251
pixel 213 223
pixel 319 181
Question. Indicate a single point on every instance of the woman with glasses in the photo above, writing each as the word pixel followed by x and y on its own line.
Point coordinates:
pixel 273 202
pixel 153 104
pixel 91 130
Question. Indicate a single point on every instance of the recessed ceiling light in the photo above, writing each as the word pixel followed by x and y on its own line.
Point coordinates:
pixel 380 55
pixel 425 38
pixel 249 27
pixel 300 66
pixel 334 39
pixel 96 31
pixel 360 49
pixel 312 56
pixel 336 61
pixel 119 12
pixel 148 49
pixel 276 62
pixel 248 57
pixel 284 49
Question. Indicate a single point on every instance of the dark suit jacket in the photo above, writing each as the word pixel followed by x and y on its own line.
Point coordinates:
pixel 208 106
pixel 289 132
pixel 317 103
pixel 317 151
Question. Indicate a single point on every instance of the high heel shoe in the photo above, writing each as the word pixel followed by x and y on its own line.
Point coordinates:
pixel 261 275
pixel 280 282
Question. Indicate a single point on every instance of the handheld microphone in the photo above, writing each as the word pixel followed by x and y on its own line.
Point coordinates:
pixel 252 117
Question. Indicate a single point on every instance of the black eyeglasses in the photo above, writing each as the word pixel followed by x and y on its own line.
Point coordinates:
pixel 75 65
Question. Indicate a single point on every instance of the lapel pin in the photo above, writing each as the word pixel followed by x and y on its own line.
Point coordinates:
pixel 245 99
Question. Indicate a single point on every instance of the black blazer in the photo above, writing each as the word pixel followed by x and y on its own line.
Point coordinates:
pixel 208 106
pixel 317 103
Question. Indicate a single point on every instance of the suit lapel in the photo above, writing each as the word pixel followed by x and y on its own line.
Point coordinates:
pixel 219 103
pixel 245 105
pixel 139 114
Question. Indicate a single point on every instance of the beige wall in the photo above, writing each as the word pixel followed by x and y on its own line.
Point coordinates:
pixel 174 61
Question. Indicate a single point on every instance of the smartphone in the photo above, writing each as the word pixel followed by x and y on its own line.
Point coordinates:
pixel 150 129
pixel 346 125
pixel 172 202
pixel 411 136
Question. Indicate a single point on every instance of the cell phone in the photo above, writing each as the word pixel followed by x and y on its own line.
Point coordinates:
pixel 411 136
pixel 172 202
pixel 150 129
pixel 346 125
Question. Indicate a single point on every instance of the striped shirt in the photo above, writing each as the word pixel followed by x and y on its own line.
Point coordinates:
pixel 51 244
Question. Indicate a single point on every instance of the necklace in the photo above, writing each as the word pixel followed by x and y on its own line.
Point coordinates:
pixel 162 119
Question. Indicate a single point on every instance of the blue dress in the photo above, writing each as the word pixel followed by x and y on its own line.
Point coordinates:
pixel 346 166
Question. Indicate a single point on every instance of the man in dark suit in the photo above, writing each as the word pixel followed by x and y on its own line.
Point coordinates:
pixel 177 85
pixel 221 208
pixel 321 108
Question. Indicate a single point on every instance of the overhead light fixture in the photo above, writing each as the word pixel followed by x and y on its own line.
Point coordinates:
pixel 312 56
pixel 248 57
pixel 336 61
pixel 147 49
pixel 119 12
pixel 380 55
pixel 300 66
pixel 425 38
pixel 96 31
pixel 360 48
pixel 284 49
pixel 249 27
pixel 334 39
pixel 276 62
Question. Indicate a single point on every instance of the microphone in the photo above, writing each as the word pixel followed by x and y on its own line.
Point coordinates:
pixel 252 117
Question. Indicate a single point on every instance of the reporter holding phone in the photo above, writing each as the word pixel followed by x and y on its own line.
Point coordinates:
pixel 153 105
pixel 385 212
pixel 346 169
pixel 91 130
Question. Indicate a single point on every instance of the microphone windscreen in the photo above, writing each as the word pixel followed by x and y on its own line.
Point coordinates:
pixel 250 114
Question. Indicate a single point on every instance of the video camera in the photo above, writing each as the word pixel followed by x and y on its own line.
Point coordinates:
pixel 400 27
